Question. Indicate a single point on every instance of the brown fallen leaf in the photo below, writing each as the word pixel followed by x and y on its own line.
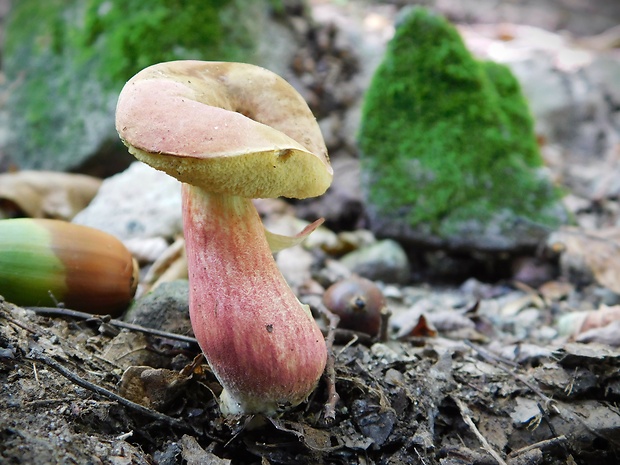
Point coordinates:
pixel 152 387
pixel 45 194
pixel 422 329
pixel 552 291
pixel 171 265
pixel 589 255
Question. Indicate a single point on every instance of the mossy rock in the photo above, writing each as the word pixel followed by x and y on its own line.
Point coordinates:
pixel 67 60
pixel 448 151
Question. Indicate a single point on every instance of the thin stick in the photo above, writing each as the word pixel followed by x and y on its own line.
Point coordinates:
pixel 36 373
pixel 566 413
pixel 489 356
pixel 384 333
pixel 18 323
pixel 113 322
pixel 485 444
pixel 495 361
pixel 329 410
pixel 37 355
pixel 546 444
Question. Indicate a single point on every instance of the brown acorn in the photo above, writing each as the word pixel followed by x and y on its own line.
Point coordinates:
pixel 358 302
pixel 45 261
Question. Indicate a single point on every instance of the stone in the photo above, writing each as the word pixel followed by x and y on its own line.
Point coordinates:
pixel 571 89
pixel 295 265
pixel 65 69
pixel 582 18
pixel 140 202
pixel 165 308
pixel 384 261
pixel 448 152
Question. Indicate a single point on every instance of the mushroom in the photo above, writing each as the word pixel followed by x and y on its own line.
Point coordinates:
pixel 232 132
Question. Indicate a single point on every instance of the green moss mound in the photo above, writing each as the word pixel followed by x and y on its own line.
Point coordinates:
pixel 446 138
pixel 67 60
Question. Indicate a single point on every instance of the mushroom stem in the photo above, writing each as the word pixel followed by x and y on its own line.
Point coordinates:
pixel 260 341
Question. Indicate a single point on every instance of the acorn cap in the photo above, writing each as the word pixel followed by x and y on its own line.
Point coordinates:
pixel 229 128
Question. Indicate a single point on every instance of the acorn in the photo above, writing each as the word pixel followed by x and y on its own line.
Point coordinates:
pixel 358 302
pixel 44 262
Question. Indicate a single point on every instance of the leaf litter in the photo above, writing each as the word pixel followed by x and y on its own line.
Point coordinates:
pixel 69 397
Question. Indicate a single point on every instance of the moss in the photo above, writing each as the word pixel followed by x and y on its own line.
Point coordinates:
pixel 445 137
pixel 123 36
pixel 135 34
pixel 67 60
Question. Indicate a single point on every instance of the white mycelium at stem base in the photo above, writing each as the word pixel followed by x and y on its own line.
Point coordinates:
pixel 262 344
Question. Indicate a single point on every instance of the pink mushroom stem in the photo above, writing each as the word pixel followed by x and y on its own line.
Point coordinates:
pixel 260 341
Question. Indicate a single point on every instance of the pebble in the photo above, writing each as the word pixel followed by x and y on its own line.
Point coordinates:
pixel 166 308
pixel 140 202
pixel 384 261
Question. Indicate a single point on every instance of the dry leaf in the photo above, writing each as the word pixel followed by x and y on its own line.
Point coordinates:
pixel 152 387
pixel 576 323
pixel 423 329
pixel 609 334
pixel 46 194
pixel 428 323
pixel 169 266
pixel 555 290
pixel 587 255
pixel 194 454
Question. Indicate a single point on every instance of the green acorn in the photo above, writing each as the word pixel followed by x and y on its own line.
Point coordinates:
pixel 47 261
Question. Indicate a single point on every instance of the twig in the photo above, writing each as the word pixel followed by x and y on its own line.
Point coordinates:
pixel 489 356
pixel 384 335
pixel 348 344
pixel 113 322
pixel 485 444
pixel 349 336
pixel 545 415
pixel 494 359
pixel 18 323
pixel 36 373
pixel 329 410
pixel 566 413
pixel 542 445
pixel 37 355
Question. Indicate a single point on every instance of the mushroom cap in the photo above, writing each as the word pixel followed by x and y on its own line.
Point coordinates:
pixel 229 128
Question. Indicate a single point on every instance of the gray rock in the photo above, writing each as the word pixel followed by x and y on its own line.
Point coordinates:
pixel 294 264
pixel 66 62
pixel 504 232
pixel 569 105
pixel 459 172
pixel 166 308
pixel 384 261
pixel 588 17
pixel 140 202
